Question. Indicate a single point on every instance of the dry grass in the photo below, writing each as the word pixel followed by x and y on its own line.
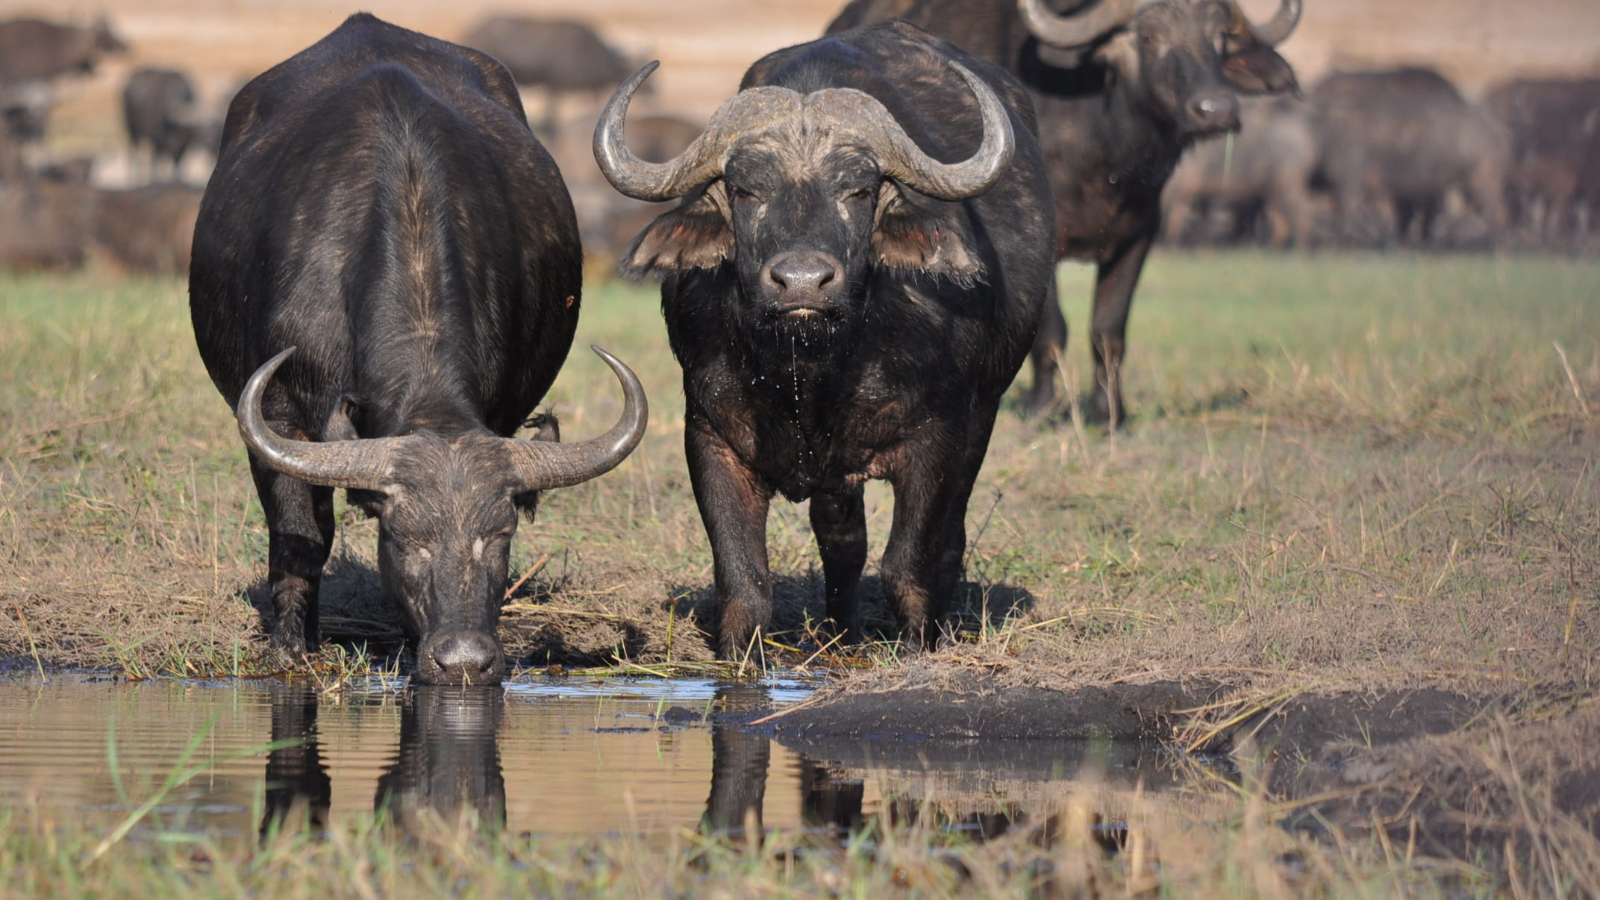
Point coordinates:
pixel 1217 839
pixel 1352 471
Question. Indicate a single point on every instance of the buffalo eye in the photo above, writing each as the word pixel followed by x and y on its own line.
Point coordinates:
pixel 859 196
pixel 740 193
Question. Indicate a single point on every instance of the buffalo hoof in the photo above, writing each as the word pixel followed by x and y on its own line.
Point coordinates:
pixel 1041 400
pixel 284 659
pixel 1096 408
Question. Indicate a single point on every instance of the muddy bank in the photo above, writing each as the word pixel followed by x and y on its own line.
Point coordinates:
pixel 1464 777
pixel 971 706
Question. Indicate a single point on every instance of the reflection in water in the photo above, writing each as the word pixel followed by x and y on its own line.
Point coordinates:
pixel 828 802
pixel 590 757
pixel 739 762
pixel 298 789
pixel 447 769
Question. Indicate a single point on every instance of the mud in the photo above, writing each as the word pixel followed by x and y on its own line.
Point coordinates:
pixel 973 706
pixel 1450 775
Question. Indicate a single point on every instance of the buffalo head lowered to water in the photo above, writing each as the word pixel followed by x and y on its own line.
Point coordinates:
pixel 447 510
pixel 380 203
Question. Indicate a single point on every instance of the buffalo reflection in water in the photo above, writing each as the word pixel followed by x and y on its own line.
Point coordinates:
pixel 447 770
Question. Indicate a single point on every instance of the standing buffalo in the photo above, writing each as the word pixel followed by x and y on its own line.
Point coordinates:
pixel 1402 140
pixel 159 110
pixel 381 205
pixel 1264 172
pixel 1555 145
pixel 851 281
pixel 24 113
pixel 34 49
pixel 1121 87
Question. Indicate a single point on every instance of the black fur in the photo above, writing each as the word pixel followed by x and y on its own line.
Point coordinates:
pixel 1113 120
pixel 901 377
pixel 380 203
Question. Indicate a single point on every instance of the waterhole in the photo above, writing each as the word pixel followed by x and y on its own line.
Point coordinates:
pixel 557 756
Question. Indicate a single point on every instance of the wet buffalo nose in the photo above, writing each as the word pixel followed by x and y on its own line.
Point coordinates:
pixel 1217 111
pixel 801 276
pixel 461 657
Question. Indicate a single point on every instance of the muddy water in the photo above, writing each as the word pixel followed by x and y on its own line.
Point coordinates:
pixel 558 756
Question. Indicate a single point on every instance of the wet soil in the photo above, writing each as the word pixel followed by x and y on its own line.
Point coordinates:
pixel 1452 775
pixel 973 706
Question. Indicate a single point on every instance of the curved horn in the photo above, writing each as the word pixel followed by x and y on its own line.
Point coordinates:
pixel 703 159
pixel 905 162
pixel 1076 29
pixel 628 173
pixel 342 464
pixel 1277 29
pixel 542 465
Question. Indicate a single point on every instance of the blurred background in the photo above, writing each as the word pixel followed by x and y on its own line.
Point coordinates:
pixel 112 114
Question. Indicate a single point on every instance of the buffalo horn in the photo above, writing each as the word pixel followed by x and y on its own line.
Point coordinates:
pixel 905 162
pixel 1079 28
pixel 697 165
pixel 1277 29
pixel 542 465
pixel 342 464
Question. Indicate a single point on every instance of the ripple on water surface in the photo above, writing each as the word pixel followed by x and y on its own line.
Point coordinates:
pixel 566 755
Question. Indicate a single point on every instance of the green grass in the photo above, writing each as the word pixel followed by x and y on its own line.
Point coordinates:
pixel 1248 858
pixel 1356 471
pixel 1377 466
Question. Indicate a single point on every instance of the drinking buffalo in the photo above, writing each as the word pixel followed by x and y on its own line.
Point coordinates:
pixel 1121 87
pixel 381 205
pixel 851 281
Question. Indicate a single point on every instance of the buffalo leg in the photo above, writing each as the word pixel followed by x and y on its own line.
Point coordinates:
pixel 733 505
pixel 955 531
pixel 913 577
pixel 840 523
pixel 299 536
pixel 1048 342
pixel 1113 296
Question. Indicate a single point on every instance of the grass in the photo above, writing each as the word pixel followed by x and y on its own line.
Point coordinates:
pixel 1343 473
pixel 1363 466
pixel 1059 853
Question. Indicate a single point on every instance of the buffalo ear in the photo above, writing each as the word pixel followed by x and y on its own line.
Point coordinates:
pixel 933 242
pixel 696 235
pixel 1259 70
pixel 545 427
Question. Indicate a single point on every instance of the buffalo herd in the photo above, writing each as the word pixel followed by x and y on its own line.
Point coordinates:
pixel 856 257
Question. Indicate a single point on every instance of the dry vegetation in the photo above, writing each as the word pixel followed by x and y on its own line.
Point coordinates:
pixel 1352 470
pixel 1345 475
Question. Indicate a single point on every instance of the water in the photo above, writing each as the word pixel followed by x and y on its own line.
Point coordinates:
pixel 563 756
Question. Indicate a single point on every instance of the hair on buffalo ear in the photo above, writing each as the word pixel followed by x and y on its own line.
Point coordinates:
pixel 930 242
pixel 696 235
pixel 341 426
pixel 1259 70
pixel 545 427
